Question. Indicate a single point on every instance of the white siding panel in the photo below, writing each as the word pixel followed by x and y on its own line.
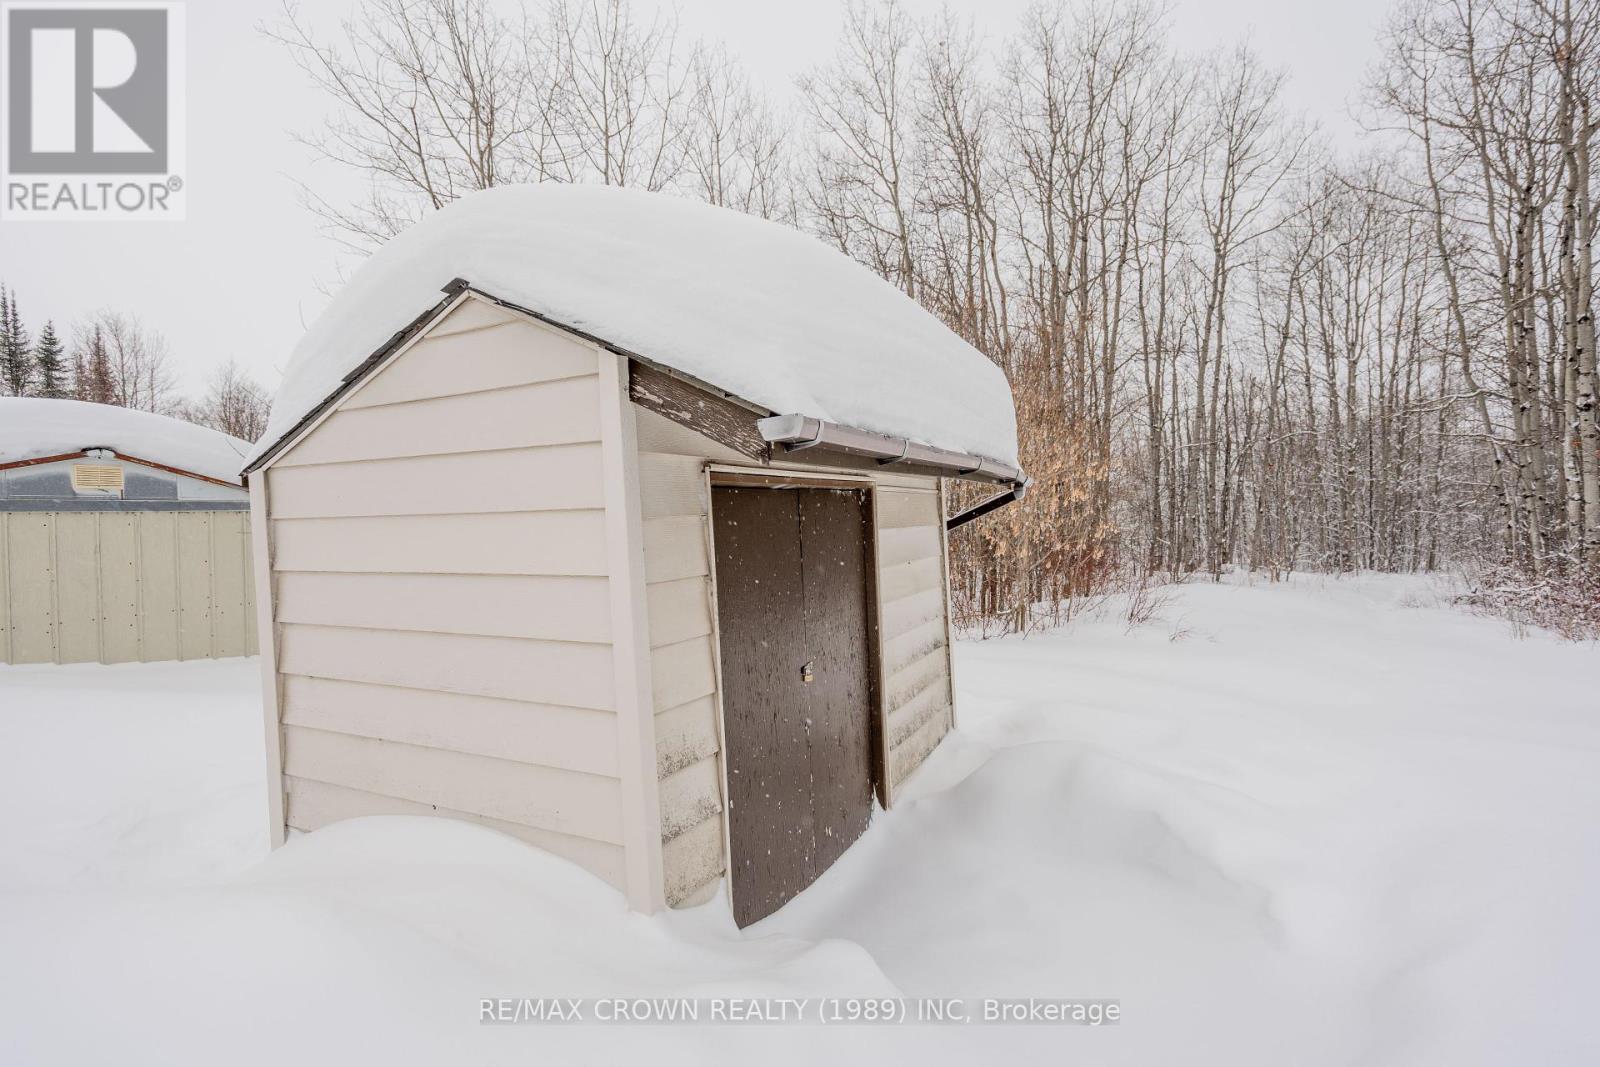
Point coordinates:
pixel 479 422
pixel 914 634
pixel 674 548
pixel 472 313
pixel 685 734
pixel 693 860
pixel 569 608
pixel 903 649
pixel 574 739
pixel 898 509
pixel 671 485
pixel 439 551
pixel 904 579
pixel 905 720
pixel 550 543
pixel 517 353
pixel 682 672
pixel 907 544
pixel 543 672
pixel 567 802
pixel 313 805
pixel 908 612
pixel 679 610
pixel 891 480
pixel 689 797
pixel 908 756
pixel 914 677
pixel 527 479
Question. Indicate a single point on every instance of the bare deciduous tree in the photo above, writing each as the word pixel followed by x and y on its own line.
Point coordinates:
pixel 1229 347
pixel 233 402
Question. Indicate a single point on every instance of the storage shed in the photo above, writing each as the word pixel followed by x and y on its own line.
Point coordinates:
pixel 614 521
pixel 124 536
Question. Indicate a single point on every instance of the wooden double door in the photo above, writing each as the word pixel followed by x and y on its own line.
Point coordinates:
pixel 798 652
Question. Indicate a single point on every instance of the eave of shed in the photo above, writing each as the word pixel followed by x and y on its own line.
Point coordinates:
pixel 819 442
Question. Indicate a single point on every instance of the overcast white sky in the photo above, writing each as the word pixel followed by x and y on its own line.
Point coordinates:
pixel 247 270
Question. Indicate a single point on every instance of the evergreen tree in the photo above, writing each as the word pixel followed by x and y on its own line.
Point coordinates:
pixel 16 363
pixel 50 370
pixel 98 383
pixel 80 374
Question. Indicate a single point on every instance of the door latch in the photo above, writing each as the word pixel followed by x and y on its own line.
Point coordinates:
pixel 805 672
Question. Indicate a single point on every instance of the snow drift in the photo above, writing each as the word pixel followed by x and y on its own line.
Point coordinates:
pixel 753 307
pixel 1317 823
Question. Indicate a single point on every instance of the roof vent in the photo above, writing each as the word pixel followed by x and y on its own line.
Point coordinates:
pixel 97 476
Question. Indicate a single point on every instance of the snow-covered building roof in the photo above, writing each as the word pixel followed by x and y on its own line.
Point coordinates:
pixel 32 428
pixel 754 308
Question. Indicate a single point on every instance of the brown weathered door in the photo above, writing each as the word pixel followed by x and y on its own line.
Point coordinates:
pixel 792 603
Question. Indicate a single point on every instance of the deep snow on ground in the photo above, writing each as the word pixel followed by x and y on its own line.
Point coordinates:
pixel 1322 822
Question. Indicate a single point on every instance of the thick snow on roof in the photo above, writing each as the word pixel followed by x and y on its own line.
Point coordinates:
pixel 753 307
pixel 31 427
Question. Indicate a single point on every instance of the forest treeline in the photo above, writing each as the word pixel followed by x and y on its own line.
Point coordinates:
pixel 1230 344
pixel 114 358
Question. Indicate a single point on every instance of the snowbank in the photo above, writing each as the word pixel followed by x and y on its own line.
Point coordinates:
pixel 31 427
pixel 1317 823
pixel 753 307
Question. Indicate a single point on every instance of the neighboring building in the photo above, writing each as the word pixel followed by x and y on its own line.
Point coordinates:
pixel 632 545
pixel 124 536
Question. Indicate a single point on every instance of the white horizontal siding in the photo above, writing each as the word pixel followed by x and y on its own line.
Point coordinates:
pixel 674 548
pixel 678 610
pixel 690 796
pixel 899 580
pixel 913 635
pixel 913 678
pixel 907 544
pixel 487 422
pixel 913 610
pixel 575 739
pixel 569 802
pixel 441 600
pixel 552 608
pixel 530 542
pixel 686 734
pixel 311 805
pixel 909 754
pixel 568 673
pixel 693 862
pixel 682 672
pixel 453 364
pixel 549 478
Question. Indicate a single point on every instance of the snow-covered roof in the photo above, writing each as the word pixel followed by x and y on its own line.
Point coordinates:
pixel 31 428
pixel 752 307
